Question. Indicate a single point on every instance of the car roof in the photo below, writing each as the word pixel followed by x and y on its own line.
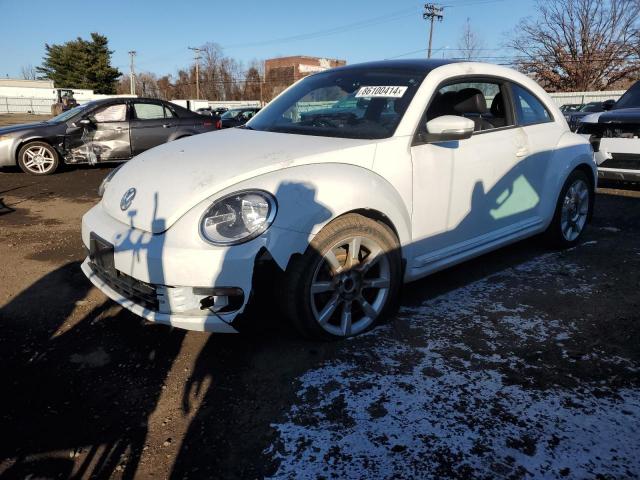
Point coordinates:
pixel 422 65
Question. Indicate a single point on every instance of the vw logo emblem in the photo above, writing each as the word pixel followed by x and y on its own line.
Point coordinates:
pixel 127 199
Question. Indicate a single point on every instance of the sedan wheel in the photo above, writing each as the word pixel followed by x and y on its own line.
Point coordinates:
pixel 347 280
pixel 38 158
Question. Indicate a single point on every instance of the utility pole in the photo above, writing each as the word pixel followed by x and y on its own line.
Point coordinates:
pixel 432 12
pixel 196 52
pixel 132 74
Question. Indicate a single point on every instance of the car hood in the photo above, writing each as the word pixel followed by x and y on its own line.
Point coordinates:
pixel 22 127
pixel 173 178
pixel 624 115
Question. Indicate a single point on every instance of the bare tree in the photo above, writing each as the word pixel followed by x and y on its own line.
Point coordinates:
pixel 252 84
pixel 146 85
pixel 470 44
pixel 28 72
pixel 579 45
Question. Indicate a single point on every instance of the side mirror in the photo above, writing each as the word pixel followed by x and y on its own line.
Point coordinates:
pixel 608 104
pixel 84 122
pixel 448 128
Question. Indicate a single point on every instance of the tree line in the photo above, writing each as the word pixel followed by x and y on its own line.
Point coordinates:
pixel 220 78
pixel 570 45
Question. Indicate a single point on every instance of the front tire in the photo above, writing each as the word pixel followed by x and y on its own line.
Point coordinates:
pixel 347 280
pixel 572 213
pixel 38 158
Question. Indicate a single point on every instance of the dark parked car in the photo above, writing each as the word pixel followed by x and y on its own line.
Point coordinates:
pixel 109 130
pixel 574 117
pixel 571 107
pixel 236 117
pixel 212 112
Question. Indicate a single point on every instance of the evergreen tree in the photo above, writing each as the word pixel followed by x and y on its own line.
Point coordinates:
pixel 81 64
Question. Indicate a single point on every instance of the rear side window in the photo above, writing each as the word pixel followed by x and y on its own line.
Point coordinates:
pixel 529 109
pixel 148 111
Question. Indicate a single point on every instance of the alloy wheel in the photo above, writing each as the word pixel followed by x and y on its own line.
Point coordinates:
pixel 38 159
pixel 350 286
pixel 575 209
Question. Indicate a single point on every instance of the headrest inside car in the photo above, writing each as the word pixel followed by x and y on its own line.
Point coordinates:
pixel 470 100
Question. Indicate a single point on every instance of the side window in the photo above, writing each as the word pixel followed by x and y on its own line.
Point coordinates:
pixel 148 111
pixel 112 113
pixel 483 102
pixel 168 113
pixel 529 109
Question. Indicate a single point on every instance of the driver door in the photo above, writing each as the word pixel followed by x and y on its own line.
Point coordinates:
pixel 470 195
pixel 105 139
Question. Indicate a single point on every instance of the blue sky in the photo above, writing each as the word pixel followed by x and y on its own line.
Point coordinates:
pixel 160 31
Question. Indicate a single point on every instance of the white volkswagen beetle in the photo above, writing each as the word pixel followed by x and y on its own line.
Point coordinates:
pixel 349 183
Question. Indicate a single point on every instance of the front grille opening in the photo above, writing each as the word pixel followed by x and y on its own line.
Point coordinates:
pixel 138 292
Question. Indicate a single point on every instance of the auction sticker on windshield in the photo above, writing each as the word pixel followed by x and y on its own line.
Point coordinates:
pixel 382 91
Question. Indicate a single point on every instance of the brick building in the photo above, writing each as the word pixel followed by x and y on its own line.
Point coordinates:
pixel 282 72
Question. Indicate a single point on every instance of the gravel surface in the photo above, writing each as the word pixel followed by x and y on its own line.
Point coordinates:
pixel 523 363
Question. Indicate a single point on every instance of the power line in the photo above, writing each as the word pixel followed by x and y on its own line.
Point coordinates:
pixel 406 12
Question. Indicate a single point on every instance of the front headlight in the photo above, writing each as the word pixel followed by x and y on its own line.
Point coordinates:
pixel 238 217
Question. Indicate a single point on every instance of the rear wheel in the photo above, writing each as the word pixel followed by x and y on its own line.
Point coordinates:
pixel 38 158
pixel 573 211
pixel 346 281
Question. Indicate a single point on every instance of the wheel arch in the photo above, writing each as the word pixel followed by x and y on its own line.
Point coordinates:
pixel 24 141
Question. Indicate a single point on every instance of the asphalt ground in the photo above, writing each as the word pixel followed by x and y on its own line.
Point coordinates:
pixel 522 363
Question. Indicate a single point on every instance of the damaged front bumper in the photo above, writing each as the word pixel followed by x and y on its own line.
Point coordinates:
pixel 175 278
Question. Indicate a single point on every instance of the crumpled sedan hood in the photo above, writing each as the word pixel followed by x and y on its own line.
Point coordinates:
pixel 173 178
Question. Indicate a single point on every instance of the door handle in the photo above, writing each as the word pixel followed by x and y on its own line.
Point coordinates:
pixel 118 129
pixel 166 125
pixel 523 152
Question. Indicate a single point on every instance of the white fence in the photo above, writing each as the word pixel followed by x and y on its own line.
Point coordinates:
pixel 580 98
pixel 38 106
pixel 42 106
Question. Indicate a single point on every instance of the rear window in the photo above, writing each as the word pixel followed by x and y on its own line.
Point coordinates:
pixel 148 111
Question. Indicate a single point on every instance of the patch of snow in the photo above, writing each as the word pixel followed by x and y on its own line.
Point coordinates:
pixel 441 405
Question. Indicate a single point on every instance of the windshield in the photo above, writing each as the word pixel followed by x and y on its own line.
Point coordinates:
pixel 346 103
pixel 631 98
pixel 231 114
pixel 64 116
pixel 592 107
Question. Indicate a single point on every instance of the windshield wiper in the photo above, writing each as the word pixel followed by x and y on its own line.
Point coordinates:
pixel 246 127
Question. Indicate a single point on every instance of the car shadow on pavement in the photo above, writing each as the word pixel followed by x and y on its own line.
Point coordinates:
pixel 83 377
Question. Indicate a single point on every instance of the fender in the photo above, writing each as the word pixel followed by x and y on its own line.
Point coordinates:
pixel 572 151
pixel 310 196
